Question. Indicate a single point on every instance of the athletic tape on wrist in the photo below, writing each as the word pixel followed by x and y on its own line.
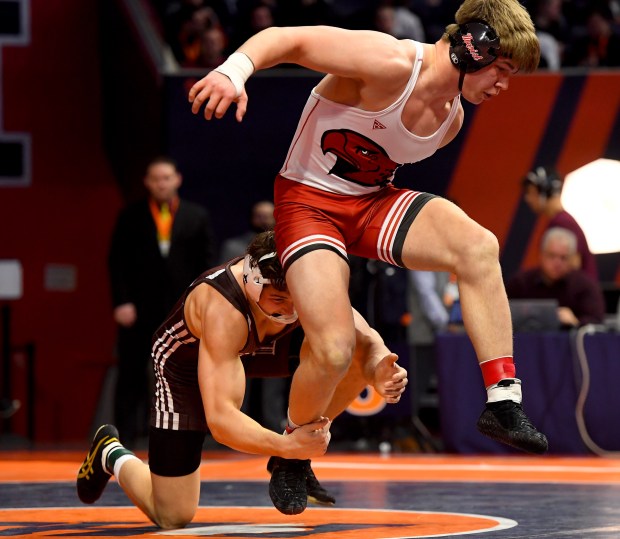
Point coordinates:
pixel 238 68
pixel 291 426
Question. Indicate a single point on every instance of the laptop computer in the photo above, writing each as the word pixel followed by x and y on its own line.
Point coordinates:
pixel 534 314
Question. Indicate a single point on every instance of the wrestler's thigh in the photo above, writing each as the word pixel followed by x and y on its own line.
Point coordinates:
pixel 318 282
pixel 438 235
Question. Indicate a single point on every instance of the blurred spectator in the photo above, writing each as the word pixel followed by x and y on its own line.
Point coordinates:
pixel 184 21
pixel 548 17
pixel 550 51
pixel 600 46
pixel 261 219
pixel 159 245
pixel 261 16
pixel 387 302
pixel 542 192
pixel 435 15
pixel 211 50
pixel 398 21
pixel 614 8
pixel 305 12
pixel 576 33
pixel 579 296
pixel 429 299
pixel 186 44
pixel 251 19
pixel 576 12
pixel 552 30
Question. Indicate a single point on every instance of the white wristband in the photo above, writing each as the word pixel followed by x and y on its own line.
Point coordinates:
pixel 238 68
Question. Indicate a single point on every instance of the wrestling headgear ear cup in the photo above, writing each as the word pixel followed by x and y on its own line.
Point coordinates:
pixel 546 179
pixel 473 46
pixel 253 278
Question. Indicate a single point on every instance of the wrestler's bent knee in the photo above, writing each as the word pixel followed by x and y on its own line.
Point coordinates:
pixel 176 520
pixel 333 360
pixel 478 249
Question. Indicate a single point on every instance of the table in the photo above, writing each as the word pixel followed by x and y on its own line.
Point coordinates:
pixel 548 366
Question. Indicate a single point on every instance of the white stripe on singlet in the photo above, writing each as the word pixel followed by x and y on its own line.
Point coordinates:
pixel 315 239
pixel 166 417
pixel 392 223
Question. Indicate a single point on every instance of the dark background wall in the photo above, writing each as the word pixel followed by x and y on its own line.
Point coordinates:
pixel 95 109
pixel 62 221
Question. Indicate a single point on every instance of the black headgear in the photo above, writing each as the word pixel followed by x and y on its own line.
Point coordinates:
pixel 546 180
pixel 473 46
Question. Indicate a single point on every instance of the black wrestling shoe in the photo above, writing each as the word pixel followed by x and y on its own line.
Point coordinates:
pixel 316 493
pixel 92 476
pixel 506 422
pixel 287 486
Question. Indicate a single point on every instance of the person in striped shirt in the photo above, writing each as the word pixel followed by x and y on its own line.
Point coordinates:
pixel 233 321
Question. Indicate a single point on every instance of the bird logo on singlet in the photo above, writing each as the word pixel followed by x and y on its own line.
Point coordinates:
pixel 358 159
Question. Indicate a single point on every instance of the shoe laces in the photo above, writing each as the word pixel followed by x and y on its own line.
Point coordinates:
pixel 87 466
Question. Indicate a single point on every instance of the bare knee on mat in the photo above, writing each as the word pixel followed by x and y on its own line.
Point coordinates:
pixel 174 520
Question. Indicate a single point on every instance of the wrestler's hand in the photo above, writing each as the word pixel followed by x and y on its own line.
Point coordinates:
pixel 216 92
pixel 125 315
pixel 390 379
pixel 308 441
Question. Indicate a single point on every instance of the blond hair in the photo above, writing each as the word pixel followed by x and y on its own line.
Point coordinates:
pixel 511 22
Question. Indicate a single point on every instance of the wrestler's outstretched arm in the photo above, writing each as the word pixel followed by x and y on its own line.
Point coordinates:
pixel 365 57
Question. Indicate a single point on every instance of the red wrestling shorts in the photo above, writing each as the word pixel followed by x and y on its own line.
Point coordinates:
pixel 371 226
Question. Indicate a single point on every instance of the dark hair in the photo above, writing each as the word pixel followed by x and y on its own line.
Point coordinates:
pixel 546 179
pixel 162 160
pixel 270 268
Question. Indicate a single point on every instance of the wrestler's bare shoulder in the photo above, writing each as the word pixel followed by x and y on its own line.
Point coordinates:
pixel 205 302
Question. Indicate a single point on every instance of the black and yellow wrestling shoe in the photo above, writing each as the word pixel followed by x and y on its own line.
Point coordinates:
pixel 93 475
